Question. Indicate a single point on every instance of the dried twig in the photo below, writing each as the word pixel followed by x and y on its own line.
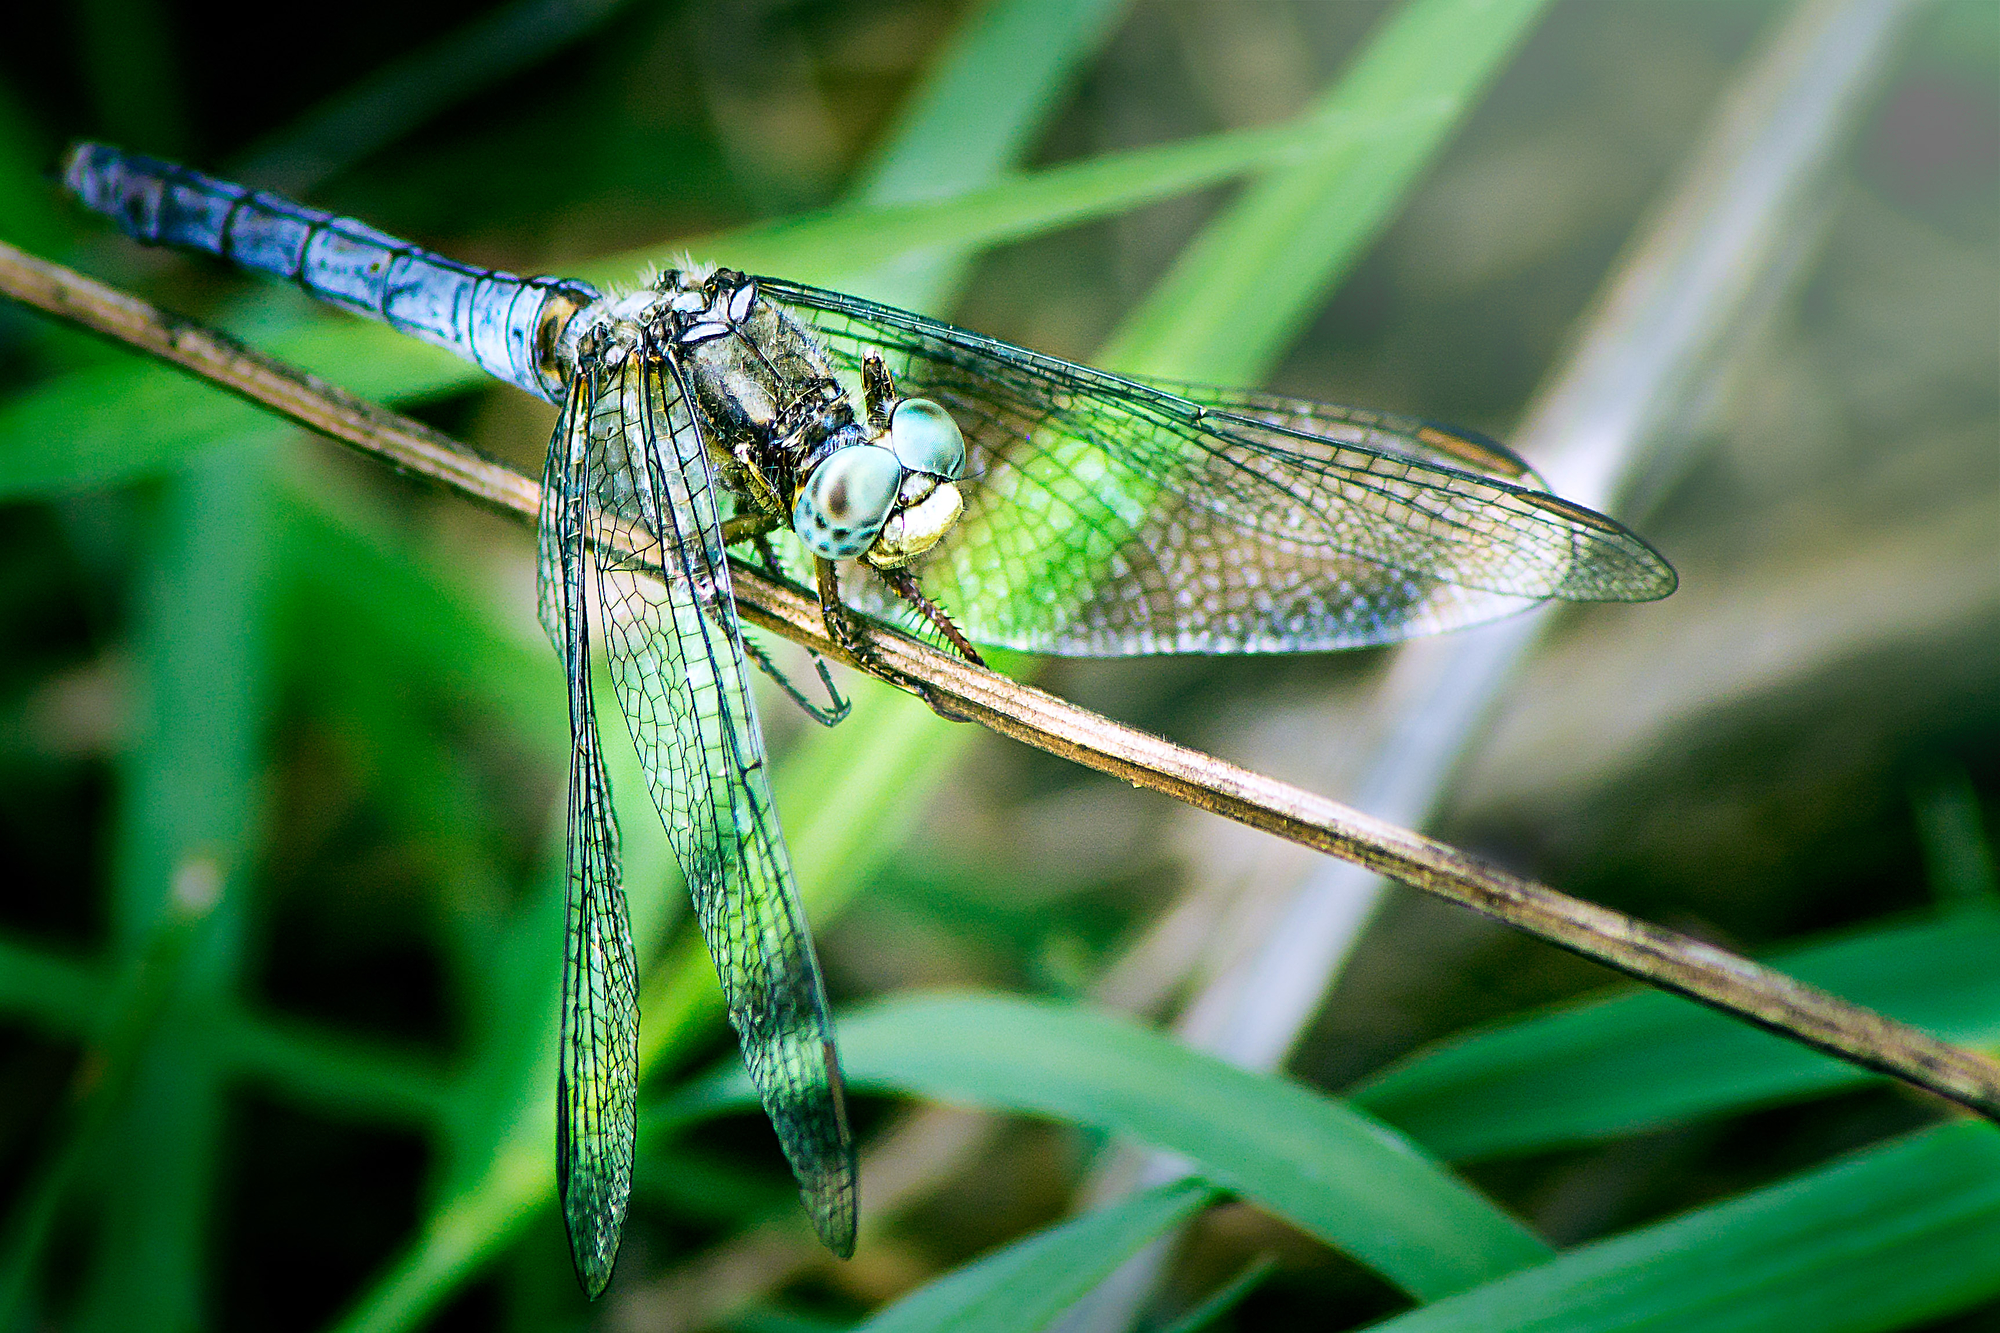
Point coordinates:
pixel 1662 958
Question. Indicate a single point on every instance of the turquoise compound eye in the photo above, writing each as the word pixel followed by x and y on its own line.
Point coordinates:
pixel 843 505
pixel 926 438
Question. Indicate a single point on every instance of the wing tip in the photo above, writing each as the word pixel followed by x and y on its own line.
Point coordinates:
pixel 832 1191
pixel 834 1216
pixel 1649 577
pixel 594 1240
pixel 1642 573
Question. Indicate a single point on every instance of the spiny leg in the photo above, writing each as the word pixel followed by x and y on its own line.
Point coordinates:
pixel 905 586
pixel 846 635
pixel 839 627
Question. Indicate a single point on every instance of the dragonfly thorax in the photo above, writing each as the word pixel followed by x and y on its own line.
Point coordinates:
pixel 862 475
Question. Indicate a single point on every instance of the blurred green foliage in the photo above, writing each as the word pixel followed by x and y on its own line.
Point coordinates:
pixel 234 659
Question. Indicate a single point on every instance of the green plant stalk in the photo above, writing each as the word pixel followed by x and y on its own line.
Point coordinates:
pixel 1887 1239
pixel 154 979
pixel 1330 1170
pixel 188 801
pixel 1023 1287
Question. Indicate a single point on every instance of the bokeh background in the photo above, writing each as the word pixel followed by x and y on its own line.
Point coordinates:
pixel 247 658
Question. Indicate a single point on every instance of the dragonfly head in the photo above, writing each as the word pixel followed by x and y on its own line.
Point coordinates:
pixel 888 499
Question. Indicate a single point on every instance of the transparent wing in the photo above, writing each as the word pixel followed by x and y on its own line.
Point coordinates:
pixel 597 1080
pixel 1305 421
pixel 677 662
pixel 1107 515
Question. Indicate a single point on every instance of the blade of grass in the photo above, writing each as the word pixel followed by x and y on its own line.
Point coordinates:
pixel 1238 295
pixel 68 998
pixel 153 979
pixel 1890 1238
pixel 1328 1169
pixel 330 1071
pixel 188 799
pixel 62 996
pixel 1021 1287
pixel 1633 1062
pixel 27 212
pixel 846 246
pixel 1225 1298
pixel 974 115
pixel 106 424
pixel 1957 853
pixel 393 100
pixel 129 69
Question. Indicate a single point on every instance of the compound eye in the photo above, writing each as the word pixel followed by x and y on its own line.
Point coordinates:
pixel 843 505
pixel 926 438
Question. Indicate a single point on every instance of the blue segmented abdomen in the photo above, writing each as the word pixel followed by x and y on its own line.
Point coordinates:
pixel 504 324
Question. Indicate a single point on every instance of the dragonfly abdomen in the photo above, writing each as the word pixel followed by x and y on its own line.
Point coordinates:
pixel 505 325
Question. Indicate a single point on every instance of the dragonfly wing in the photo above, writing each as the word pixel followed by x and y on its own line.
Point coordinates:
pixel 597 1081
pixel 1106 515
pixel 1307 421
pixel 677 662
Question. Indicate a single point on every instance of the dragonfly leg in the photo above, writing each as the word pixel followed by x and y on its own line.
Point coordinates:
pixel 831 715
pixel 904 586
pixel 837 707
pixel 841 628
pixel 878 390
pixel 749 527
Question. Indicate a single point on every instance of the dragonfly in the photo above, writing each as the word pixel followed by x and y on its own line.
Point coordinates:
pixel 914 473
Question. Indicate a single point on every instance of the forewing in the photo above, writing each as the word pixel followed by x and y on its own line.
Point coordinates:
pixel 597 1081
pixel 1106 515
pixel 677 661
pixel 1304 422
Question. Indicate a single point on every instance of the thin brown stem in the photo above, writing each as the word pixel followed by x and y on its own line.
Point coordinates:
pixel 1662 958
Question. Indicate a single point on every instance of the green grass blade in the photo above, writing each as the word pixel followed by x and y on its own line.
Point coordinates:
pixel 61 996
pixel 1639 1060
pixel 28 215
pixel 1021 1287
pixel 1225 1298
pixel 153 979
pixel 1884 1240
pixel 67 998
pixel 130 71
pixel 188 809
pixel 1327 1168
pixel 986 96
pixel 331 1072
pixel 846 246
pixel 1235 298
pixel 975 114
pixel 1957 854
pixel 102 425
